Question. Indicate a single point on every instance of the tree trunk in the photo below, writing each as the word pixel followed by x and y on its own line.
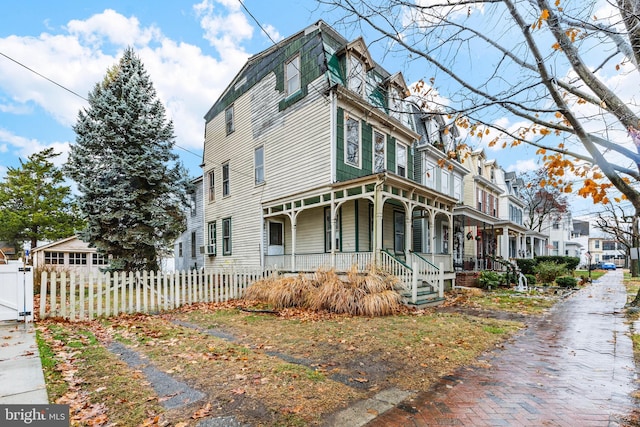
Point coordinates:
pixel 635 240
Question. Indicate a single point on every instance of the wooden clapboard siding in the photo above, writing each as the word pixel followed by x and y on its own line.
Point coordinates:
pixel 310 231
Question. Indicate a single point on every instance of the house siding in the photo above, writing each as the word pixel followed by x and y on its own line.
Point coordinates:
pixel 194 225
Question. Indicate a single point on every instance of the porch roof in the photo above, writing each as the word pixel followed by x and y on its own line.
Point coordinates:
pixel 393 187
pixel 473 217
pixel 512 226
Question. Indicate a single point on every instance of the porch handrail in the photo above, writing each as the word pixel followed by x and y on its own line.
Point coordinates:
pixel 424 260
pixel 401 270
pixel 426 271
pixel 399 261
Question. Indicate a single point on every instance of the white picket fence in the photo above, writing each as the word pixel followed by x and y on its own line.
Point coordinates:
pixel 79 296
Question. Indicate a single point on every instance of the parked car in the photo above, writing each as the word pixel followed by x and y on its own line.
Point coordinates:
pixel 608 266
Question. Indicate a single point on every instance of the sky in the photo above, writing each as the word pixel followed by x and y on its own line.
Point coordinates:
pixel 53 53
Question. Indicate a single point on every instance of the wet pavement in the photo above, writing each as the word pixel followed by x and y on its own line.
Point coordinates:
pixel 571 367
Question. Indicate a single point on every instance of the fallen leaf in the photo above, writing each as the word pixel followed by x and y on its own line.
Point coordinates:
pixel 203 412
pixel 238 391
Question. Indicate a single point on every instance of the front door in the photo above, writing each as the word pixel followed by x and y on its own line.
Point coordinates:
pixel 275 238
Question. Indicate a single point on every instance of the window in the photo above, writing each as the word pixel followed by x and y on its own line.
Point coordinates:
pixel 292 75
pixel 356 75
pixel 226 236
pixel 608 246
pixel 54 257
pixel 379 158
pixel 258 162
pixel 444 175
pixel 597 243
pixel 77 259
pixel 98 259
pixel 398 232
pixel 212 188
pixel 193 244
pixel 192 204
pixel 479 169
pixel 556 246
pixel 180 249
pixel 225 179
pixel 429 174
pixel 457 188
pixel 352 146
pixel 395 104
pixel 480 196
pixel 556 225
pixel 211 246
pixel 401 160
pixel 229 119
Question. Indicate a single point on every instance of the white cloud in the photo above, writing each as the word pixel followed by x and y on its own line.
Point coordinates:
pixel 272 32
pixel 24 147
pixel 114 28
pixel 187 80
pixel 522 166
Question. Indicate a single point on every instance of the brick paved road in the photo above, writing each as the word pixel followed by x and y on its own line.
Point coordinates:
pixel 572 367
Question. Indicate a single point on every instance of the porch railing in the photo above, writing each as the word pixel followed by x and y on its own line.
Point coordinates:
pixel 428 272
pixel 402 271
pixel 344 261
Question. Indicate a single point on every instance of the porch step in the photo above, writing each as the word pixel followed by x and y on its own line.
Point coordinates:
pixel 426 297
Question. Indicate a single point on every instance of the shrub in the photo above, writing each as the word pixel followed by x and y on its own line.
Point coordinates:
pixel 488 279
pixel 570 262
pixel 547 271
pixel 566 282
pixel 531 279
pixel 526 265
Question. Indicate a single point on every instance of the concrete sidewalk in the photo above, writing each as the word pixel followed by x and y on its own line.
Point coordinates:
pixel 21 377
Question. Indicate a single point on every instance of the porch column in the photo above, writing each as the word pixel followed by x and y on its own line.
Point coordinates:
pixel 451 250
pixel 262 240
pixel 378 209
pixel 432 235
pixel 504 243
pixel 333 231
pixel 293 217
pixel 408 235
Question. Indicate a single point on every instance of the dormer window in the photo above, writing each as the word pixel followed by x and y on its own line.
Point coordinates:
pixel 395 104
pixel 356 75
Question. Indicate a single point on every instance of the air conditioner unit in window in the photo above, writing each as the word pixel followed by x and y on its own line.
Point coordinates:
pixel 201 249
pixel 211 250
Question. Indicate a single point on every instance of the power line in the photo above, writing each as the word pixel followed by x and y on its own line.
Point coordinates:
pixel 76 94
pixel 44 77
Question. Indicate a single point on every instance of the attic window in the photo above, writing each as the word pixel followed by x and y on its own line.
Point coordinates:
pixel 229 119
pixel 292 75
pixel 355 79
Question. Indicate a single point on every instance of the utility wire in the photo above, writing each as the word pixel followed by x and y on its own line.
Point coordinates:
pixel 45 77
pixel 76 94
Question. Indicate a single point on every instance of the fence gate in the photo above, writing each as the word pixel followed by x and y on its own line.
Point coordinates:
pixel 16 291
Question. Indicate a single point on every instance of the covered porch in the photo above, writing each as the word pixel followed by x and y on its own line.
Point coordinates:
pixel 380 220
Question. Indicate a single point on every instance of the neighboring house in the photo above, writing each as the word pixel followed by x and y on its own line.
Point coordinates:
pixel 309 161
pixel 436 166
pixel 7 252
pixel 189 248
pixel 479 215
pixel 69 255
pixel 606 249
pixel 561 236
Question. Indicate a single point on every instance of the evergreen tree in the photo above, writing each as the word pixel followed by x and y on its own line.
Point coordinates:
pixel 133 189
pixel 34 203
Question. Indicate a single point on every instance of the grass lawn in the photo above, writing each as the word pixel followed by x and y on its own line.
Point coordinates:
pixel 276 370
pixel 293 368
